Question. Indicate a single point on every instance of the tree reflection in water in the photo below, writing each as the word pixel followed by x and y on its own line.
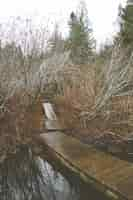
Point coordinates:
pixel 27 177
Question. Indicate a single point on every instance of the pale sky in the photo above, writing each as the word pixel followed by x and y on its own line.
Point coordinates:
pixel 102 13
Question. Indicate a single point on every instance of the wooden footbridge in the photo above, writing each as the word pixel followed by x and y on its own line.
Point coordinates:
pixel 106 173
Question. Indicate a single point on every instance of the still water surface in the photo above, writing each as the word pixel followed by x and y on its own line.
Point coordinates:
pixel 27 177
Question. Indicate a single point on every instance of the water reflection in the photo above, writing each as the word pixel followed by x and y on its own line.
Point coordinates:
pixel 27 177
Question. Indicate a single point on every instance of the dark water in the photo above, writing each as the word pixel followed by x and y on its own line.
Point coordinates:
pixel 27 177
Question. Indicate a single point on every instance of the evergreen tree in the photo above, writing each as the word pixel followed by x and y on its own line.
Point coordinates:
pixel 80 42
pixel 126 24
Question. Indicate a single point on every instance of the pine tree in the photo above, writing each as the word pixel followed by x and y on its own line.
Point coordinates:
pixel 80 42
pixel 126 24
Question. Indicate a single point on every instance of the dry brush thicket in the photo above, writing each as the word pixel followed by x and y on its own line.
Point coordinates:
pixel 85 97
pixel 24 77
pixel 27 74
pixel 21 53
pixel 101 102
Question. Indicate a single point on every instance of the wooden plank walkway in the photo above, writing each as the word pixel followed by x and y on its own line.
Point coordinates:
pixel 106 173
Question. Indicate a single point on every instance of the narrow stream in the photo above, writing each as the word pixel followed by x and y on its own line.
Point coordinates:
pixel 62 190
pixel 57 186
pixel 27 177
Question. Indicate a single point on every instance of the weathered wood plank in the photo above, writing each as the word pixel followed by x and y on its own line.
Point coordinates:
pixel 51 121
pixel 49 112
pixel 53 125
pixel 105 172
pixel 108 174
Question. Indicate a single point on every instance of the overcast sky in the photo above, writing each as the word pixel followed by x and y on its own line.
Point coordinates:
pixel 102 13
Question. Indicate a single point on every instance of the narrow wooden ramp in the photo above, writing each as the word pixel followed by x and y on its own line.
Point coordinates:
pixel 106 173
pixel 51 121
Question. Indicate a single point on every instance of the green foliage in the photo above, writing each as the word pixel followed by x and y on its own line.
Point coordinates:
pixel 126 24
pixel 80 41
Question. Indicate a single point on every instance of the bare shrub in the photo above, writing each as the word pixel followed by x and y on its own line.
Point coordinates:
pixel 76 97
pixel 118 81
pixel 20 123
pixel 20 57
pixel 111 104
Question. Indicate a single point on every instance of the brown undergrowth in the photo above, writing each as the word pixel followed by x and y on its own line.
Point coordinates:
pixel 115 118
pixel 20 122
